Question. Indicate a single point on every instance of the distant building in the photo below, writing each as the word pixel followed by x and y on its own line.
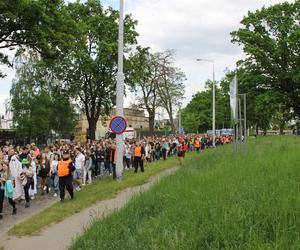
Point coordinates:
pixel 6 119
pixel 81 130
pixel 136 119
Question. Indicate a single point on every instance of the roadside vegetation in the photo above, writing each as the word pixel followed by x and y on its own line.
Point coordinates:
pixel 218 200
pixel 97 191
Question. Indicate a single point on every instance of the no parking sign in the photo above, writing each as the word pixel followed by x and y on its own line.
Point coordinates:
pixel 118 125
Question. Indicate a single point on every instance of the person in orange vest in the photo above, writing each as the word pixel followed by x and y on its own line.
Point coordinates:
pixel 227 139
pixel 113 159
pixel 65 168
pixel 138 158
pixel 197 145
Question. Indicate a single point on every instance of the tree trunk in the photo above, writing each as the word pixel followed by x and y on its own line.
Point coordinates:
pixel 172 123
pixel 151 122
pixel 281 127
pixel 256 129
pixel 92 128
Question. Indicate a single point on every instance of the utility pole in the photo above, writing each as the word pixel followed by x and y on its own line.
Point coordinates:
pixel 240 120
pixel 245 117
pixel 120 93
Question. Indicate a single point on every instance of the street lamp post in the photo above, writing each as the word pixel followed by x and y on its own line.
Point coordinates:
pixel 214 100
pixel 120 92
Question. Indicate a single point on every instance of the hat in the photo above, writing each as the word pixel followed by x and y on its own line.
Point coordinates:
pixel 78 148
pixel 66 152
pixel 25 162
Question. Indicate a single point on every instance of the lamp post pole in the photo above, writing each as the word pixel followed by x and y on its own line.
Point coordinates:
pixel 120 93
pixel 213 100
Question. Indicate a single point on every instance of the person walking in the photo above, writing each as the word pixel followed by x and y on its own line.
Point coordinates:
pixel 6 188
pixel 65 168
pixel 54 179
pixel 27 180
pixel 16 170
pixel 79 164
pixel 139 154
pixel 197 145
pixel 87 170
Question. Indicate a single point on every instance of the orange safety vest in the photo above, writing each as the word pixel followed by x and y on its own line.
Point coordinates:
pixel 114 160
pixel 63 168
pixel 138 152
pixel 197 145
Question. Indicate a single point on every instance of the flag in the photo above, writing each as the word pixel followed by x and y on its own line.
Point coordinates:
pixel 233 92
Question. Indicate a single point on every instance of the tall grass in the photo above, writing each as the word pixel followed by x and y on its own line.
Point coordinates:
pixel 217 201
pixel 97 191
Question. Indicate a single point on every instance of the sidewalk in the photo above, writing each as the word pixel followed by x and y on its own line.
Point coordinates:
pixel 40 203
pixel 61 235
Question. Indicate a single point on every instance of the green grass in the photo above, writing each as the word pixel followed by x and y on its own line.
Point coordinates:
pixel 97 191
pixel 218 201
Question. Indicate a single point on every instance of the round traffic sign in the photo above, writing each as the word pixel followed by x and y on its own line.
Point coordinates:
pixel 118 125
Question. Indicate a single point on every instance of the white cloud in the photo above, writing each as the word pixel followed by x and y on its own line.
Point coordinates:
pixel 194 28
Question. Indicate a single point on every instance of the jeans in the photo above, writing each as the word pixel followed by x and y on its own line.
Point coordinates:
pixel 108 165
pixel 54 181
pixel 26 191
pixel 11 202
pixel 128 162
pixel 100 168
pixel 87 172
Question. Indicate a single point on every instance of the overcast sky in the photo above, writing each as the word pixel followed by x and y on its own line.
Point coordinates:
pixel 194 28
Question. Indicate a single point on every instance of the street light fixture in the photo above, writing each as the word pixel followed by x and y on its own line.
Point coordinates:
pixel 214 99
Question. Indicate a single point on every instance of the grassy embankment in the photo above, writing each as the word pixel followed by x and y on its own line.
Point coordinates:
pixel 97 191
pixel 218 201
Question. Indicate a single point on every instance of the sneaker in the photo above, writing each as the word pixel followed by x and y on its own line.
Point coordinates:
pixel 55 195
pixel 27 204
pixel 83 184
pixel 14 211
pixel 49 189
pixel 110 174
pixel 78 188
pixel 45 188
pixel 32 197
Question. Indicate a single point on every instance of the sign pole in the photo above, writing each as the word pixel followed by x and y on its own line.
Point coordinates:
pixel 240 120
pixel 120 92
pixel 245 117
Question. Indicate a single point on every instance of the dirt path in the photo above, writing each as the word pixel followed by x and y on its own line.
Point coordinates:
pixel 61 235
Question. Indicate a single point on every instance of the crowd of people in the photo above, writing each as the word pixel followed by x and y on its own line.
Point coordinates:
pixel 28 171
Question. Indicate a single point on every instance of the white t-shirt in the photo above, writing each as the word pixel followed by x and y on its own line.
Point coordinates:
pixel 79 161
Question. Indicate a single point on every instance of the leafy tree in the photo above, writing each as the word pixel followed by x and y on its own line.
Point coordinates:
pixel 88 71
pixel 197 116
pixel 171 85
pixel 270 39
pixel 143 76
pixel 38 105
pixel 42 25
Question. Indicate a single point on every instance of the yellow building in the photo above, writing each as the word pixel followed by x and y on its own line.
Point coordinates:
pixel 136 119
